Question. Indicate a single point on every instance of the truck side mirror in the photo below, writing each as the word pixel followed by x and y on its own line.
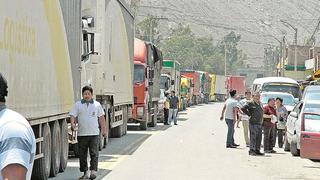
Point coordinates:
pixel 172 82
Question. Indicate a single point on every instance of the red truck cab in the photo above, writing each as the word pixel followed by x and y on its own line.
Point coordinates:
pixel 146 88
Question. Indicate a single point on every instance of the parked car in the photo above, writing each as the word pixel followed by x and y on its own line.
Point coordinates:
pixel 288 100
pixel 311 93
pixel 310 136
pixel 294 122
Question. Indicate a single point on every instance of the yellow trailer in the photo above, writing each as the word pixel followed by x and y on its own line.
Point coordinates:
pixel 212 88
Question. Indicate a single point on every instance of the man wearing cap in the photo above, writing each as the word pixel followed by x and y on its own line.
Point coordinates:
pixel 17 141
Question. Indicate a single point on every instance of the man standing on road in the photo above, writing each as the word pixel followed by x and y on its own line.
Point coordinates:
pixel 17 141
pixel 245 118
pixel 269 113
pixel 90 116
pixel 254 110
pixel 173 111
pixel 230 110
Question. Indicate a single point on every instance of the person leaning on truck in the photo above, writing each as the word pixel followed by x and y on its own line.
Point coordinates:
pixel 90 116
pixel 255 111
pixel 166 108
pixel 17 141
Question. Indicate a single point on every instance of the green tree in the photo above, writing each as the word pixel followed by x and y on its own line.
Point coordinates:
pixel 147 30
pixel 234 56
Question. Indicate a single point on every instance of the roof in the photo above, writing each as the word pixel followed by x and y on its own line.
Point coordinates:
pixel 275 79
pixel 312 88
pixel 277 93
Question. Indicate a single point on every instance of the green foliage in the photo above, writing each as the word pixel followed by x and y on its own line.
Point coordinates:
pixel 147 30
pixel 198 53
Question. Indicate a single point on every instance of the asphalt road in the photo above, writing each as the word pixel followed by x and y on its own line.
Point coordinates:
pixel 195 149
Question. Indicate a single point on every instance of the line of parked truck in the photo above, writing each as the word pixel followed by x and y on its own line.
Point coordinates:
pixel 49 49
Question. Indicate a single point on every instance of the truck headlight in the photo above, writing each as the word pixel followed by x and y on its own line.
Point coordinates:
pixel 140 111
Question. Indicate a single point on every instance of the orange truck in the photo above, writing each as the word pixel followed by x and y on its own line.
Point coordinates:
pixel 147 72
pixel 195 77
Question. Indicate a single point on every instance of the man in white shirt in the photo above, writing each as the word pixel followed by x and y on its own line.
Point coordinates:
pixel 17 141
pixel 90 118
pixel 245 118
pixel 230 111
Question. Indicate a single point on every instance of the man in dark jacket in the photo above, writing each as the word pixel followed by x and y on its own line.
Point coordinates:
pixel 254 110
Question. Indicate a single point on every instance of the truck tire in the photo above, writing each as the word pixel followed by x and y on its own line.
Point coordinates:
pixel 41 168
pixel 101 141
pixel 294 149
pixel 64 145
pixel 55 149
pixel 144 124
pixel 117 131
pixel 125 120
pixel 75 148
pixel 286 144
pixel 154 117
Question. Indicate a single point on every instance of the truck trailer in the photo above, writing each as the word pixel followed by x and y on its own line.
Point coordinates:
pixel 220 88
pixel 212 87
pixel 47 57
pixel 147 71
pixel 195 76
pixel 170 81
pixel 237 83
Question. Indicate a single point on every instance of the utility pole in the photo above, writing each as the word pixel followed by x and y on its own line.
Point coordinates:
pixel 283 54
pixel 295 43
pixel 225 58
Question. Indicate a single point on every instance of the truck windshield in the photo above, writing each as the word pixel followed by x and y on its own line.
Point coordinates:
pixel 138 74
pixel 164 83
pixel 287 88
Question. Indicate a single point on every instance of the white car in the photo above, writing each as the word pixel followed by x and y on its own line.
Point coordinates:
pixel 292 139
pixel 288 100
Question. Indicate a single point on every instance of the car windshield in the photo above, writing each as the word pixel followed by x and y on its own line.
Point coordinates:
pixel 312 122
pixel 287 99
pixel 290 88
pixel 312 95
pixel 311 108
pixel 164 82
pixel 138 73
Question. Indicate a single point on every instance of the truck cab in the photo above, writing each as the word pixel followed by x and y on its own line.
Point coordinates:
pixel 147 69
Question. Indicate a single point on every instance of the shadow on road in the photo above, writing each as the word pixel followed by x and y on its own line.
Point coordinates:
pixel 182 119
pixel 159 127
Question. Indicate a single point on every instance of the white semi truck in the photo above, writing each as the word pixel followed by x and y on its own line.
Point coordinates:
pixel 48 51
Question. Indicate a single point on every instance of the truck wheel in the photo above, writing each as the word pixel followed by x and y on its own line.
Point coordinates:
pixel 125 120
pixel 286 144
pixel 75 148
pixel 41 168
pixel 154 117
pixel 144 125
pixel 117 131
pixel 64 146
pixel 293 149
pixel 55 149
pixel 101 141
